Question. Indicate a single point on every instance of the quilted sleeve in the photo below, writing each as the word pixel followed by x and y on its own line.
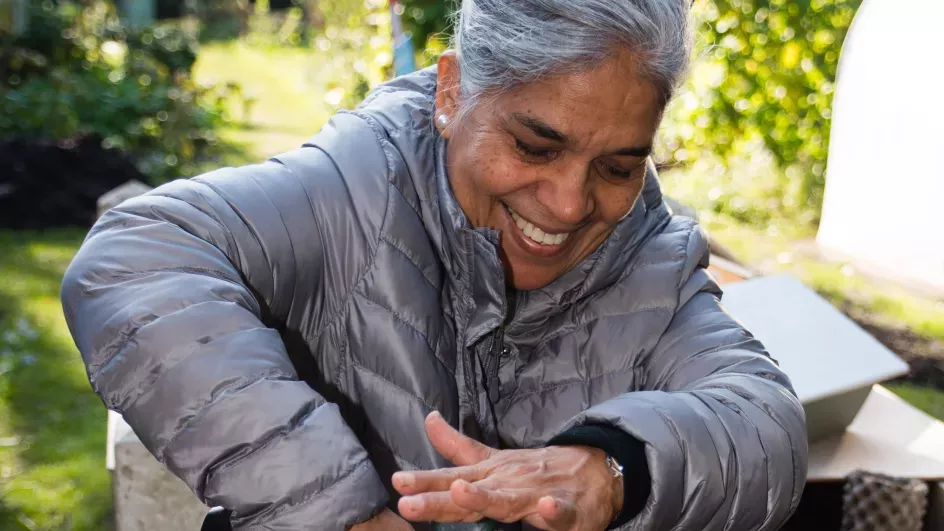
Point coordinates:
pixel 725 435
pixel 166 301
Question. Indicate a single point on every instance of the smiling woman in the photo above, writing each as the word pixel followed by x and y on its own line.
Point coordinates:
pixel 464 302
pixel 555 164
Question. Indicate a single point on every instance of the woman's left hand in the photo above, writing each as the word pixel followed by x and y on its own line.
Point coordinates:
pixel 558 488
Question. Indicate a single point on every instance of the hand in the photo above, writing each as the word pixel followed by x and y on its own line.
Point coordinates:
pixel 559 488
pixel 386 520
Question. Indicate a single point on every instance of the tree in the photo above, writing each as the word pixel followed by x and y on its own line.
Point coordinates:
pixel 765 75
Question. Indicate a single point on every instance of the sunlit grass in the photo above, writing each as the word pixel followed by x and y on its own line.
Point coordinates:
pixel 931 401
pixel 52 427
pixel 289 96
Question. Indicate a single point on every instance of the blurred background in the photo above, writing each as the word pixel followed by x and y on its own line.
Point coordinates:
pixel 94 93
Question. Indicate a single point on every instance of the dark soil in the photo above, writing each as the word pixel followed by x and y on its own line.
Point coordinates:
pixel 56 183
pixel 925 356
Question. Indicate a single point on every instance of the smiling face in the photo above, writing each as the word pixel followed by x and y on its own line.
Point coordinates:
pixel 553 165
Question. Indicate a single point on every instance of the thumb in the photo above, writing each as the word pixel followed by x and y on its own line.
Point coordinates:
pixel 557 513
pixel 459 449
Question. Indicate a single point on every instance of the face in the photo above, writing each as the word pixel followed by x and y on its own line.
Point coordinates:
pixel 553 165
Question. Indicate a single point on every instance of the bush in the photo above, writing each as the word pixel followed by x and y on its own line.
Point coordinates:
pixel 78 71
pixel 762 89
pixel 357 36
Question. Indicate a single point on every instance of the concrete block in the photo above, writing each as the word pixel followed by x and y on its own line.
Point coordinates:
pixel 120 194
pixel 147 496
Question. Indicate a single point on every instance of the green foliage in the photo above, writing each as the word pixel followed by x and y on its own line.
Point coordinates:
pixel 428 21
pixel 77 70
pixel 763 85
pixel 357 37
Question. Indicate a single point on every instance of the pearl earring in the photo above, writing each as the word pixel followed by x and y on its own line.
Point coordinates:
pixel 442 120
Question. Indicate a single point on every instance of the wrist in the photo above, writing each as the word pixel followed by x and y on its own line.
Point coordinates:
pixel 629 452
pixel 610 481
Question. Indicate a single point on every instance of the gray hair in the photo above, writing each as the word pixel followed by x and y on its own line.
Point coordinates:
pixel 501 44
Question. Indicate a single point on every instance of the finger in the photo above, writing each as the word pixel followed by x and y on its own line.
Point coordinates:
pixel 434 507
pixel 505 505
pixel 557 513
pixel 454 446
pixel 420 481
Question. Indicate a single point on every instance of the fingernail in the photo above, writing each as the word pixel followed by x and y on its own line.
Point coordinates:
pixel 434 415
pixel 415 504
pixel 405 479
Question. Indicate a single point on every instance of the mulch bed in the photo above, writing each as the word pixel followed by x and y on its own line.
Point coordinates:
pixel 924 356
pixel 56 183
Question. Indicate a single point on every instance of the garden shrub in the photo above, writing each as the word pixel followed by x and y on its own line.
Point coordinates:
pixel 79 71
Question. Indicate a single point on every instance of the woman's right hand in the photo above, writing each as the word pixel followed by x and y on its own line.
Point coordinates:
pixel 386 520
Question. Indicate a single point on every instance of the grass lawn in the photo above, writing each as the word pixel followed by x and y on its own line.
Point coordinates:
pixel 289 106
pixel 931 401
pixel 52 427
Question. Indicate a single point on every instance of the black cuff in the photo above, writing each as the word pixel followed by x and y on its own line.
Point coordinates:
pixel 629 451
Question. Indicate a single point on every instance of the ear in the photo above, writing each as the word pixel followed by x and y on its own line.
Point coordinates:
pixel 447 91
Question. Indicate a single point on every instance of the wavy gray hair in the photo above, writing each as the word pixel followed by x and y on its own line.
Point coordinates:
pixel 504 43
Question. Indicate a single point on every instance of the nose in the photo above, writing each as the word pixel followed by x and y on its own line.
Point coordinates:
pixel 568 196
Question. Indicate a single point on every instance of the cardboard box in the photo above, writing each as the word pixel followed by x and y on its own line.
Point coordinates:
pixel 888 436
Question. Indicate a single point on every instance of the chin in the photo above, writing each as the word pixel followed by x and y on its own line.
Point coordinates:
pixel 527 280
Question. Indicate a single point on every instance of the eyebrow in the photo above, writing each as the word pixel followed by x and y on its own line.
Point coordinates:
pixel 641 151
pixel 544 130
pixel 540 128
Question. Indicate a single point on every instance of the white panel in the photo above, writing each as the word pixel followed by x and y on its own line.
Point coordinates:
pixel 885 184
pixel 823 351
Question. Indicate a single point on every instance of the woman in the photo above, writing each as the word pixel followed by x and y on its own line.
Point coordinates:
pixel 475 268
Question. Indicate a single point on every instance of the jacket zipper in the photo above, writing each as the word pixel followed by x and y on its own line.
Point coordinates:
pixel 497 351
pixel 492 364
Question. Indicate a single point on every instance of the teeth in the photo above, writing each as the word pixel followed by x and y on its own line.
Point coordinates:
pixel 535 233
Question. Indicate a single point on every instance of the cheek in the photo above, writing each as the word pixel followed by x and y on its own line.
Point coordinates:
pixel 496 173
pixel 615 201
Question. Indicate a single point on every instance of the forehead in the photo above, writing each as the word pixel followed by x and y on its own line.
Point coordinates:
pixel 611 99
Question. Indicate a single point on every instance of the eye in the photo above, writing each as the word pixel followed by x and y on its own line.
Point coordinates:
pixel 533 152
pixel 620 173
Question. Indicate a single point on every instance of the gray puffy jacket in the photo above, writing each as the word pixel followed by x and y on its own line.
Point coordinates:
pixel 276 334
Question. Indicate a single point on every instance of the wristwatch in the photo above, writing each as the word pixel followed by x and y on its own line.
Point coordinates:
pixel 616 469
